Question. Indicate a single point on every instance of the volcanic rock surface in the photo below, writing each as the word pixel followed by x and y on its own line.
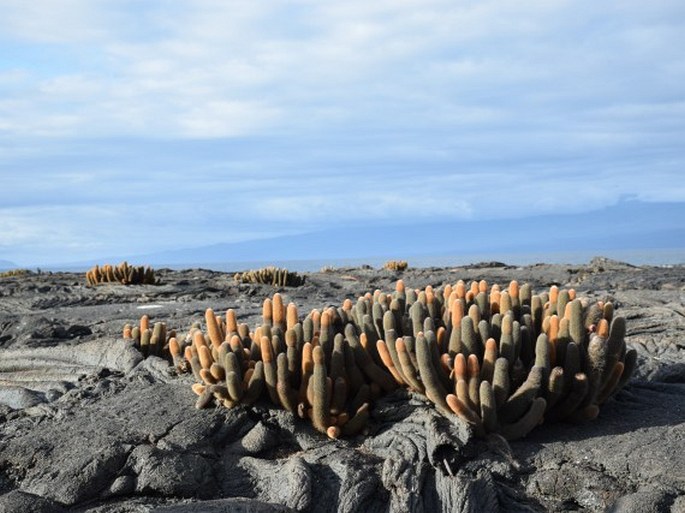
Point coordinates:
pixel 88 425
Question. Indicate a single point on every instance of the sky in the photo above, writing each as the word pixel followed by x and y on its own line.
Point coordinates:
pixel 131 126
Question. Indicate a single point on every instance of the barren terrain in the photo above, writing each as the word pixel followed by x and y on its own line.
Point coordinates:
pixel 88 425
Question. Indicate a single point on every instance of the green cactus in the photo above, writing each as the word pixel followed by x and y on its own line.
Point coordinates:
pixel 255 385
pixel 286 394
pixel 430 378
pixel 519 402
pixel 270 376
pixel 525 424
pixel 500 383
pixel 366 364
pixel 488 407
pixel 145 338
pixel 321 393
pixel 234 386
pixel 568 405
pixel 408 369
pixel 469 339
pixel 555 387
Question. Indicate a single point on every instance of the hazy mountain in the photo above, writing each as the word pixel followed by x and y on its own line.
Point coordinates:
pixel 6 264
pixel 626 225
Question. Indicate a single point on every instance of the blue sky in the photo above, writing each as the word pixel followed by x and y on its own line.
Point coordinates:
pixel 137 126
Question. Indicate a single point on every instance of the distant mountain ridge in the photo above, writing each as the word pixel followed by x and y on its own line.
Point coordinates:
pixel 6 265
pixel 626 225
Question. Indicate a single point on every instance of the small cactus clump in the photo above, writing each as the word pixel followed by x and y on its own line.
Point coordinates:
pixel 396 265
pixel 13 273
pixel 271 276
pixel 150 339
pixel 123 273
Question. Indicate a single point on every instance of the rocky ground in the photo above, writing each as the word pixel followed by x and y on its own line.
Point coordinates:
pixel 88 425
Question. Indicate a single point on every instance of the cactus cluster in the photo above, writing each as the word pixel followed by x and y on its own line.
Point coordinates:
pixel 14 273
pixel 396 265
pixel 306 366
pixel 501 360
pixel 271 276
pixel 150 339
pixel 123 273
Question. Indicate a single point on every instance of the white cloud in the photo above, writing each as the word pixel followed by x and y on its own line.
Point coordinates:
pixel 270 67
pixel 46 21
pixel 48 234
pixel 225 118
pixel 389 109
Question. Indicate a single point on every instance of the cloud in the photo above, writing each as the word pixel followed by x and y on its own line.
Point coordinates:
pixel 233 68
pixel 48 234
pixel 266 117
pixel 213 69
pixel 69 21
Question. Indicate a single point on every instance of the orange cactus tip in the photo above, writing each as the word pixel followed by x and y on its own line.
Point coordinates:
pixel 603 328
pixel 318 355
pixel 514 288
pixel 174 347
pixel 460 366
pixel 553 293
pixel 325 319
pixel 266 350
pixel 473 366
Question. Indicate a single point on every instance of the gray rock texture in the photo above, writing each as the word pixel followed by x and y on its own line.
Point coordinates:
pixel 88 425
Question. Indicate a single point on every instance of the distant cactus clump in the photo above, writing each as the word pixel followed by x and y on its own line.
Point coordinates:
pixel 123 273
pixel 14 273
pixel 501 360
pixel 271 276
pixel 396 265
